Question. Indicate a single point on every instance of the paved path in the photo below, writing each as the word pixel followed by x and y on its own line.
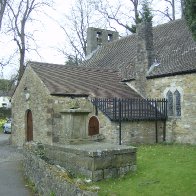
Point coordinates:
pixel 11 177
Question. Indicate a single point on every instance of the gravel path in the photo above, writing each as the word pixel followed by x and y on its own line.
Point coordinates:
pixel 11 177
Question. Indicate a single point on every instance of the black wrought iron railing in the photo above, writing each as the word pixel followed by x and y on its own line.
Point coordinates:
pixel 132 109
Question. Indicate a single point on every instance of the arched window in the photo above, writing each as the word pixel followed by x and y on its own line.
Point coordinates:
pixel 170 107
pixel 173 103
pixel 177 103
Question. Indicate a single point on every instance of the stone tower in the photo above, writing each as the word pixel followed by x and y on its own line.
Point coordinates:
pixel 97 37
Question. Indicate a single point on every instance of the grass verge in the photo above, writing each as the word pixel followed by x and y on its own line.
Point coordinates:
pixel 162 170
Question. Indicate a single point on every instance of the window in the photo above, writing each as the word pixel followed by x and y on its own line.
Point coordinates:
pixel 173 103
pixel 170 103
pixel 177 103
pixel 110 37
pixel 99 40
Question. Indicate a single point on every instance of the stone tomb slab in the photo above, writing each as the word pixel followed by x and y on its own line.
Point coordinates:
pixel 95 161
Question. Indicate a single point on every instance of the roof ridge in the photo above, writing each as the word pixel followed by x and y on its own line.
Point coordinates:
pixel 36 63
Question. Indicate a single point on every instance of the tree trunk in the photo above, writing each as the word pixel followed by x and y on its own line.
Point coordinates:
pixel 173 9
pixel 183 9
pixel 22 67
pixel 2 10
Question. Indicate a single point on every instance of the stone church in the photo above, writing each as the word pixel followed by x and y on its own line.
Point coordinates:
pixel 136 89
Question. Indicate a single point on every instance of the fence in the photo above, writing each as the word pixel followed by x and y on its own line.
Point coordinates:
pixel 132 109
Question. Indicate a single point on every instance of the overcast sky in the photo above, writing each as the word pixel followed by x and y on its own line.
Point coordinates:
pixel 49 36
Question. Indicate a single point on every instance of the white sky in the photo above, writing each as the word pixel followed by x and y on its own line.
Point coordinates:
pixel 48 38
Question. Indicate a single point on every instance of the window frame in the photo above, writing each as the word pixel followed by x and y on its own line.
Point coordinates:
pixel 174 103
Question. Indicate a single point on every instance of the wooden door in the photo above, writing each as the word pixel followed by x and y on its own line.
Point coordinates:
pixel 29 126
pixel 93 126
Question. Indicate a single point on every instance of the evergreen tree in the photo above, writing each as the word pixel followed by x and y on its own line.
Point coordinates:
pixel 146 12
pixel 145 16
pixel 5 85
pixel 190 16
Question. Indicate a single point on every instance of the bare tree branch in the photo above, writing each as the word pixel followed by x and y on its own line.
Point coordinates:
pixel 20 15
pixel 166 14
pixel 79 19
pixel 116 14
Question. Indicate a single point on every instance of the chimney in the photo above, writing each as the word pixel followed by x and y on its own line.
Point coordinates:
pixel 145 55
pixel 97 37
pixel 145 48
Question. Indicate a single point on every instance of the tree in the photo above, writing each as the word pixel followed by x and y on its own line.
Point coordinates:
pixel 126 19
pixel 5 85
pixel 146 12
pixel 19 15
pixel 3 4
pixel 72 60
pixel 190 16
pixel 182 8
pixel 82 16
pixel 127 13
pixel 172 5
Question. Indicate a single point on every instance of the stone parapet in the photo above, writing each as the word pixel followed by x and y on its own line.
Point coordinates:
pixel 95 160
pixel 52 179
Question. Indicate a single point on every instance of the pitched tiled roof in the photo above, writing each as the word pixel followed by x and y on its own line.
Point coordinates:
pixel 82 81
pixel 119 54
pixel 100 75
pixel 174 49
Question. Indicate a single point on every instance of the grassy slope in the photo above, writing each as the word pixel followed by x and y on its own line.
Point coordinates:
pixel 162 170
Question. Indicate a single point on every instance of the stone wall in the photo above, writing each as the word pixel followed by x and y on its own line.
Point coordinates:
pixel 51 179
pixel 70 119
pixel 178 129
pixel 59 119
pixel 94 160
pixel 136 132
pixel 37 102
pixel 48 112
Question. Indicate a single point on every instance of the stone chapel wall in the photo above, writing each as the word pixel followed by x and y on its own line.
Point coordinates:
pixel 178 129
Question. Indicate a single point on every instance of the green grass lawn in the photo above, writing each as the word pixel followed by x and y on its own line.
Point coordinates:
pixel 162 170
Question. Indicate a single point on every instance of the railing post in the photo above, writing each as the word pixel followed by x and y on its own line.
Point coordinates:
pixel 96 109
pixel 165 116
pixel 119 105
pixel 156 124
pixel 114 100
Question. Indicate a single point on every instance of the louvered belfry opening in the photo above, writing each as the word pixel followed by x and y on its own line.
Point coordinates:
pixel 132 109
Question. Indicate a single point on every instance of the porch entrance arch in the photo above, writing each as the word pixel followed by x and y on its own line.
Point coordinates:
pixel 29 127
pixel 93 126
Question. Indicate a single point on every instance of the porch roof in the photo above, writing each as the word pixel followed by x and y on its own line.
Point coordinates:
pixel 82 81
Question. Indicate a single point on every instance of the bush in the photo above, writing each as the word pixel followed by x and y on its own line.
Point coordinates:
pixel 5 113
pixel 2 122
